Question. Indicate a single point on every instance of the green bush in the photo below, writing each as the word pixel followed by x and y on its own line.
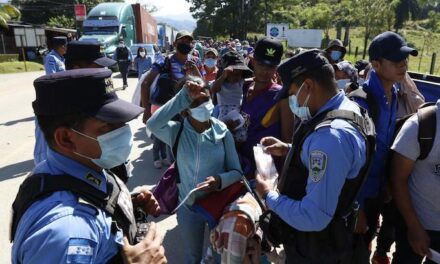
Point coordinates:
pixel 8 57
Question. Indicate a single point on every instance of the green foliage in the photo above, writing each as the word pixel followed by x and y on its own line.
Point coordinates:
pixel 8 12
pixel 8 57
pixel 433 21
pixel 61 21
pixel 18 66
pixel 41 11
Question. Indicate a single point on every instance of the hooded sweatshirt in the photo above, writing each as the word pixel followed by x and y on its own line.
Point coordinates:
pixel 199 155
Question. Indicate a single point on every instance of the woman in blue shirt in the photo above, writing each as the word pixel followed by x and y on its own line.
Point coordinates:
pixel 142 63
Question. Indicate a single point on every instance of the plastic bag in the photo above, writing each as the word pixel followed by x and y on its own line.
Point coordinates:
pixel 265 164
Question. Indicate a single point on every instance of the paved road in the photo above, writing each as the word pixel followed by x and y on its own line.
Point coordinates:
pixel 16 154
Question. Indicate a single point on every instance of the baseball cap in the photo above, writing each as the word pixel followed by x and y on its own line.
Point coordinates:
pixel 235 61
pixel 59 41
pixel 184 33
pixel 349 69
pixel 88 50
pixel 268 51
pixel 336 43
pixel 297 65
pixel 214 51
pixel 390 46
pixel 83 90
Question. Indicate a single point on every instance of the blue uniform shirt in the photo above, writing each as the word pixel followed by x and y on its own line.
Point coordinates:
pixel 385 126
pixel 54 62
pixel 40 148
pixel 340 150
pixel 59 229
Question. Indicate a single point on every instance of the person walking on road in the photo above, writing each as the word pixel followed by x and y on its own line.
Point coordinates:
pixel 124 57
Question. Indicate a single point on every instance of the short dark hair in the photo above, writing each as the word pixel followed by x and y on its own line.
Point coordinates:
pixel 49 124
pixel 324 76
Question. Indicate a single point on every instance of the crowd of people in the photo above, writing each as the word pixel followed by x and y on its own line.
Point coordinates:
pixel 345 142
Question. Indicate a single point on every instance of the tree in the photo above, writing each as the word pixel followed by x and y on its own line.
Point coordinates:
pixel 8 12
pixel 404 10
pixel 41 11
pixel 371 16
pixel 61 21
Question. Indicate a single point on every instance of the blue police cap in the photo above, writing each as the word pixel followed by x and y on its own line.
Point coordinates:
pixel 390 46
pixel 87 50
pixel 89 91
pixel 297 65
pixel 59 41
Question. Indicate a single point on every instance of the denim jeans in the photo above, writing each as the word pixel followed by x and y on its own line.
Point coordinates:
pixel 159 149
pixel 192 231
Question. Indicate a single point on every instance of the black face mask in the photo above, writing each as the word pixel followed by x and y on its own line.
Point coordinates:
pixel 184 48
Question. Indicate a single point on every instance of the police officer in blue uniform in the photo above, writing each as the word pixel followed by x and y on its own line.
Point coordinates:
pixel 325 164
pixel 71 209
pixel 80 54
pixel 54 60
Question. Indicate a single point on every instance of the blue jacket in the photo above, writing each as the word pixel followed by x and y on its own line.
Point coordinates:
pixel 341 151
pixel 199 155
pixel 59 228
pixel 385 126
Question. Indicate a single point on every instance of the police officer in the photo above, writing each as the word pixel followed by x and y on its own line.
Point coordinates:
pixel 71 210
pixel 325 166
pixel 124 57
pixel 86 54
pixel 54 61
pixel 80 54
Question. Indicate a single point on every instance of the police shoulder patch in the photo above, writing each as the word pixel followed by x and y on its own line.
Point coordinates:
pixel 317 165
pixel 80 250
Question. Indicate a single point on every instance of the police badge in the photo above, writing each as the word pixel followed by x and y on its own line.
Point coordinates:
pixel 317 165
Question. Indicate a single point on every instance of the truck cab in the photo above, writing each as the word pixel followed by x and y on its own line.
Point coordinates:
pixel 108 22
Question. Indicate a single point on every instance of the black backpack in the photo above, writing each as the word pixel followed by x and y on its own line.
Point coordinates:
pixel 165 87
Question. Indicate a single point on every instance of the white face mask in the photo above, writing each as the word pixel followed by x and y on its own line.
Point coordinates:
pixel 342 84
pixel 142 54
pixel 202 113
pixel 115 147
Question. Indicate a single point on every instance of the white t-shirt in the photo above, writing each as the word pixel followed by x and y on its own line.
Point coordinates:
pixel 424 181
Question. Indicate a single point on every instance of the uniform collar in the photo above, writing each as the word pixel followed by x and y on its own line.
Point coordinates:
pixel 77 170
pixel 333 103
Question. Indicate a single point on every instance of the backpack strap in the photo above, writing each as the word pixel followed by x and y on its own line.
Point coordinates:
pixel 363 94
pixel 175 147
pixel 41 185
pixel 427 128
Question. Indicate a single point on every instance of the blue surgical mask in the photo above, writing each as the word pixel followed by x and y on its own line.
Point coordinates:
pixel 335 55
pixel 210 63
pixel 303 112
pixel 115 147
pixel 342 84
pixel 361 81
pixel 202 113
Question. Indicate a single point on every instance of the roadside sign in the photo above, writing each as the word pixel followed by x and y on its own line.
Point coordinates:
pixel 80 12
pixel 276 30
pixel 304 38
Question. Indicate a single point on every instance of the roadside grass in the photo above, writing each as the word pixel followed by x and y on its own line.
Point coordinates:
pixel 425 42
pixel 18 66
